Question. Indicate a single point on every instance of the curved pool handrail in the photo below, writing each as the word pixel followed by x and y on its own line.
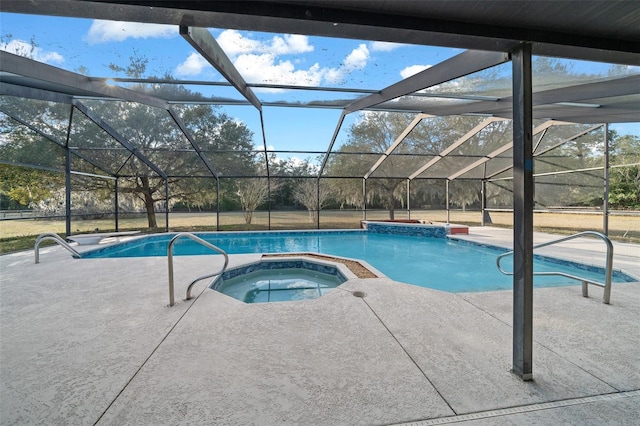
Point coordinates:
pixel 170 260
pixel 188 297
pixel 585 281
pixel 52 237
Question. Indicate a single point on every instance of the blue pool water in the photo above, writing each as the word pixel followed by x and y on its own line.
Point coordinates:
pixel 437 263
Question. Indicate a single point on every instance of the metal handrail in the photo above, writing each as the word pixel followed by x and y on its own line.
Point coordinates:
pixel 585 281
pixel 53 237
pixel 170 260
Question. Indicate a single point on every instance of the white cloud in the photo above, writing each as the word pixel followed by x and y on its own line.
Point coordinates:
pixel 235 44
pixel 264 69
pixel 290 44
pixel 384 46
pixel 412 70
pixel 106 31
pixel 193 65
pixel 261 62
pixel 26 49
pixel 356 60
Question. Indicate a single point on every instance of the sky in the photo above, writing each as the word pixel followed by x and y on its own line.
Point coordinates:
pixel 90 46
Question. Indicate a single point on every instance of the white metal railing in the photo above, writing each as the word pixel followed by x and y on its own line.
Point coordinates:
pixel 585 281
pixel 170 260
pixel 53 237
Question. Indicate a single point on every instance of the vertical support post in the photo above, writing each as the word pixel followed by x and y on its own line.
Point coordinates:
pixel 409 199
pixel 364 199
pixel 67 192
pixel 266 168
pixel 605 197
pixel 483 192
pixel 166 205
pixel 117 211
pixel 268 200
pixel 523 190
pixel 446 190
pixel 318 204
pixel 217 204
pixel 67 176
pixel 486 217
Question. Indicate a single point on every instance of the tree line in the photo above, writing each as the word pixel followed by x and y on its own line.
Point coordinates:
pixel 36 135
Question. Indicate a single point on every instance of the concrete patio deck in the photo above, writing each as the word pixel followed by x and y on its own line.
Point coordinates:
pixel 92 341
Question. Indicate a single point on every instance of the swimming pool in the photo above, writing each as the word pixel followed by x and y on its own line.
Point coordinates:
pixel 438 263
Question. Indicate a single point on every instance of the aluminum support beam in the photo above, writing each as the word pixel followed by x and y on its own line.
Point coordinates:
pixel 9 89
pixel 364 199
pixel 192 141
pixel 202 40
pixel 340 19
pixel 408 199
pixel 481 161
pixel 67 190
pixel 397 142
pixel 217 204
pixel 116 205
pixel 67 176
pixel 76 84
pixel 166 204
pixel 576 136
pixel 471 133
pixel 53 140
pixel 333 141
pixel 266 167
pixel 581 92
pixel 523 189
pixel 463 64
pixel 318 202
pixel 605 197
pixel 117 136
pixel 446 189
pixel 542 127
pixel 537 145
pixel 483 193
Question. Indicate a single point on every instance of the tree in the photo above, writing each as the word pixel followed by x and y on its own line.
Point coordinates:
pixel 152 132
pixel 252 193
pixel 624 178
pixel 155 134
pixel 370 138
pixel 464 193
pixel 314 195
pixel 22 147
pixel 374 134
pixel 226 143
pixel 300 185
pixel 28 186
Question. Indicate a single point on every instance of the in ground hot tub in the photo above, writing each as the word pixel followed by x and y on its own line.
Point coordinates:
pixel 279 280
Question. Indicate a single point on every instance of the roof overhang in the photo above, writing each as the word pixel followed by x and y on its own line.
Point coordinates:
pixel 601 30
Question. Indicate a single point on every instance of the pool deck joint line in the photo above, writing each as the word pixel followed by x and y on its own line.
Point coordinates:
pixel 523 409
pixel 406 351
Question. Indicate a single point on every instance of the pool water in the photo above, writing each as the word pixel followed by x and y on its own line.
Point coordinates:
pixel 279 285
pixel 437 263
